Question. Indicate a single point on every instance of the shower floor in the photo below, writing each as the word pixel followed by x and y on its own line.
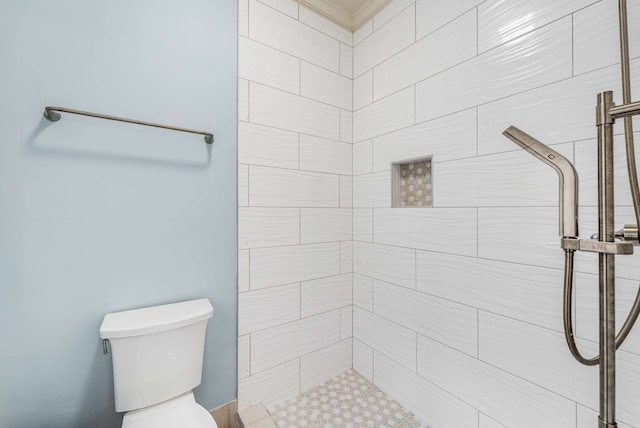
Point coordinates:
pixel 346 401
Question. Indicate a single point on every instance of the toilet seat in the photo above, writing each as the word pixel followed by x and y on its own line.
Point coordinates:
pixel 179 412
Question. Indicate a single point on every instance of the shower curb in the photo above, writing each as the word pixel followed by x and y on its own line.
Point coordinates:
pixel 255 416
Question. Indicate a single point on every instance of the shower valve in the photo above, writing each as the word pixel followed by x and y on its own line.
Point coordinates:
pixel 628 233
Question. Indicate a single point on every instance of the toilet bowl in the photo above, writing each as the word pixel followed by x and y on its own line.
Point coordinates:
pixel 157 354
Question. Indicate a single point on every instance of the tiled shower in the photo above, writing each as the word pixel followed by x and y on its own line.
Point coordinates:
pixel 454 309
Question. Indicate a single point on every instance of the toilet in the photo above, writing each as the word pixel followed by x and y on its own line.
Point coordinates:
pixel 157 355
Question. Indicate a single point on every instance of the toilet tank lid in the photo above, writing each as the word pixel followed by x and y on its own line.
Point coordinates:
pixel 154 319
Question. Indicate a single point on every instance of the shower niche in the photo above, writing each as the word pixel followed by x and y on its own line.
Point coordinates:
pixel 412 183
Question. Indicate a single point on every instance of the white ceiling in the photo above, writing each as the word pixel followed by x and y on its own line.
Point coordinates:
pixel 348 13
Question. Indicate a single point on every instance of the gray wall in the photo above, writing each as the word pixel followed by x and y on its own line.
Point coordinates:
pixel 97 216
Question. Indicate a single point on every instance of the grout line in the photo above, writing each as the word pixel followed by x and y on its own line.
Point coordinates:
pixel 290 131
pixel 299 150
pixel 248 185
pixel 352 69
pixel 302 22
pixel 477 131
pixel 300 77
pixel 299 375
pixel 366 37
pixel 477 333
pixel 489 259
pixel 415 270
pixel 477 30
pixel 478 232
pixel 300 307
pixel 415 104
pixel 288 54
pixel 437 386
pixel 372 224
pixel 506 41
pixel 522 378
pixel 299 226
pixel 415 22
pixel 334 174
pixel 299 95
pixel 340 130
pixel 373 90
pixel 450 21
pixel 248 100
pixel 352 322
pixel 306 318
pixel 573 45
pixel 248 17
pixel 416 342
pixel 322 348
pixel 372 156
pixel 373 297
pixel 373 363
pixel 295 282
pixel 409 46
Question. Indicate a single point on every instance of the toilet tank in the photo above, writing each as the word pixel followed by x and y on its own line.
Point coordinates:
pixel 157 352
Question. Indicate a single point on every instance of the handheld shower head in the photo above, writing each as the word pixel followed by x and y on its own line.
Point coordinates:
pixel 566 173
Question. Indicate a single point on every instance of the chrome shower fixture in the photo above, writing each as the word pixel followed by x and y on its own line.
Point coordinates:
pixel 607 243
pixel 566 174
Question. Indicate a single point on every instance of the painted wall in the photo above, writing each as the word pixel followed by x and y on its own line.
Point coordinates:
pixel 295 216
pixel 458 307
pixel 97 216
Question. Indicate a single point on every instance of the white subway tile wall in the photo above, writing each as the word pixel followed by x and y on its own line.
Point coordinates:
pixel 263 64
pixel 454 310
pixel 430 403
pixel 292 340
pixel 363 359
pixel 284 32
pixel 296 196
pixel 486 306
pixel 320 366
pixel 388 40
pixel 451 45
pixel 346 256
pixel 363 90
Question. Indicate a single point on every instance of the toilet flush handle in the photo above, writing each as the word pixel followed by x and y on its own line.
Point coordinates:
pixel 105 348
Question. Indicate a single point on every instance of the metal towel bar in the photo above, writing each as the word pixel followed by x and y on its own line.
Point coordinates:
pixel 53 114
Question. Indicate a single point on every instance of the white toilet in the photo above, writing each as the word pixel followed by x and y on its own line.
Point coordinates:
pixel 157 355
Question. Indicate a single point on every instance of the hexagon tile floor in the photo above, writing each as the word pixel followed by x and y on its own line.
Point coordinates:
pixel 346 401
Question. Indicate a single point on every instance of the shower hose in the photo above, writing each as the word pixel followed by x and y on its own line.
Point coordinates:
pixel 635 195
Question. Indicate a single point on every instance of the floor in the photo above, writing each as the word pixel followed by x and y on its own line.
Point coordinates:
pixel 346 401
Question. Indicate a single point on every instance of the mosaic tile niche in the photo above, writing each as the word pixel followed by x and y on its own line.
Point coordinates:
pixel 412 184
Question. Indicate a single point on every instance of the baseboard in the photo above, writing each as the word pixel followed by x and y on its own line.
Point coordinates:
pixel 226 416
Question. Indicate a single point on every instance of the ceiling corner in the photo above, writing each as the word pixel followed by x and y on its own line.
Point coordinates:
pixel 350 14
